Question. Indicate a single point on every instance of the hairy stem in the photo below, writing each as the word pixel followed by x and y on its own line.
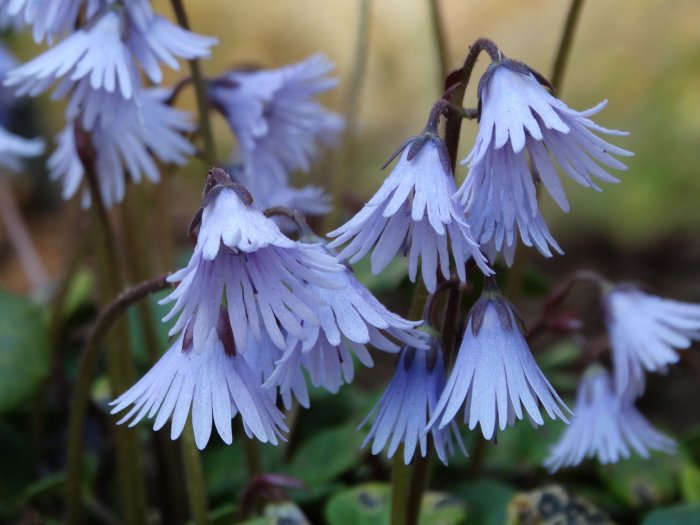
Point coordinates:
pixel 200 91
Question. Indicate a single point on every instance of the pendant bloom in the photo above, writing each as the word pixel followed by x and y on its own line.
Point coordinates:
pixel 518 116
pixel 413 212
pixel 275 119
pixel 408 403
pixel 645 332
pixel 606 426
pixel 98 51
pixel 213 383
pixel 495 379
pixel 125 143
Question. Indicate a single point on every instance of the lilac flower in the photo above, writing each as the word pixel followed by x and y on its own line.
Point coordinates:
pixel 413 211
pixel 13 148
pixel 274 117
pixel 213 383
pixel 408 403
pixel 606 426
pixel 517 115
pixel 350 318
pixel 645 331
pixel 495 376
pixel 125 141
pixel 264 275
pixel 98 51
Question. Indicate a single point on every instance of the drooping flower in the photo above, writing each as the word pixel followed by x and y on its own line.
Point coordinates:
pixel 123 143
pixel 264 275
pixel 350 318
pixel 606 426
pixel 518 116
pixel 645 332
pixel 413 212
pixel 104 48
pixel 408 403
pixel 495 379
pixel 214 383
pixel 275 118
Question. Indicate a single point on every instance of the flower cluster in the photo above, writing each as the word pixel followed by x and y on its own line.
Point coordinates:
pixel 290 302
pixel 112 122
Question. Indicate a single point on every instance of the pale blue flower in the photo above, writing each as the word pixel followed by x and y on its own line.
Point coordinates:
pixel 104 50
pixel 495 379
pixel 138 130
pixel 402 413
pixel 413 213
pixel 605 426
pixel 264 275
pixel 645 332
pixel 519 116
pixel 275 118
pixel 213 383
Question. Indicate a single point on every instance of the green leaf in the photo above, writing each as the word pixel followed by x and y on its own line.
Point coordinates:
pixel 286 513
pixel 24 350
pixel 486 500
pixel 678 515
pixel 690 482
pixel 370 504
pixel 327 455
pixel 639 482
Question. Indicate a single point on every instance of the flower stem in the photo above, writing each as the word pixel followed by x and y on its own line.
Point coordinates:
pixel 440 39
pixel 81 391
pixel 400 487
pixel 200 91
pixel 567 39
pixel 194 476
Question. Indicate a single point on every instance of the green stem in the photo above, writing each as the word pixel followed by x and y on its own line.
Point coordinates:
pixel 81 391
pixel 400 486
pixel 419 482
pixel 440 39
pixel 567 39
pixel 342 165
pixel 194 476
pixel 200 91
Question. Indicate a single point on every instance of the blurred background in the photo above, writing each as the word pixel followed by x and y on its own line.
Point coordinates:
pixel 643 57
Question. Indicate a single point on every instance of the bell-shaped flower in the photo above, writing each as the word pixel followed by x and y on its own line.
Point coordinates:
pixel 242 255
pixel 214 383
pixel 413 212
pixel 410 400
pixel 606 426
pixel 104 48
pixel 275 118
pixel 495 379
pixel 137 130
pixel 519 116
pixel 645 332
pixel 350 318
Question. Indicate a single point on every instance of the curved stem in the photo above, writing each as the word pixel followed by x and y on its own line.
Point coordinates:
pixel 567 39
pixel 460 79
pixel 200 91
pixel 81 392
